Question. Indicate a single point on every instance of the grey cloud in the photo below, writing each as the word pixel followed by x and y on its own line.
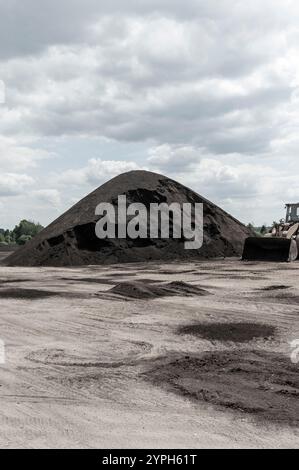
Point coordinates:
pixel 143 78
pixel 207 78
pixel 27 27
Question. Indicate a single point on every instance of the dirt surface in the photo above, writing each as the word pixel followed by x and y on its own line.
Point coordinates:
pixel 87 367
pixel 71 240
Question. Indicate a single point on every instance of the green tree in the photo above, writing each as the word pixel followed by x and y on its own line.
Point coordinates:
pixel 24 239
pixel 254 229
pixel 2 239
pixel 25 230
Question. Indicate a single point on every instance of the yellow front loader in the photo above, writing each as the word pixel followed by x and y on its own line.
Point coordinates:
pixel 280 244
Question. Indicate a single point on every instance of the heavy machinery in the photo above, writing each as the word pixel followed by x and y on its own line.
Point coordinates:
pixel 280 244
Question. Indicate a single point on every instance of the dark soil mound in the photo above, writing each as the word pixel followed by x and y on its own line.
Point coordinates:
pixel 71 240
pixel 258 383
pixel 237 332
pixel 145 290
pixel 8 248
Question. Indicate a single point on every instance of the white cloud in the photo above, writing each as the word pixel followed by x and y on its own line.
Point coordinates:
pixel 19 155
pixel 96 172
pixel 12 184
pixel 173 159
pixel 250 191
pixel 2 92
pixel 48 197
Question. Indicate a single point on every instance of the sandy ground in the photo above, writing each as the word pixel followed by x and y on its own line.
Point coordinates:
pixel 91 368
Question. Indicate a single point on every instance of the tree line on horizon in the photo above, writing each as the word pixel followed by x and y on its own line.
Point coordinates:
pixel 263 229
pixel 21 234
pixel 27 229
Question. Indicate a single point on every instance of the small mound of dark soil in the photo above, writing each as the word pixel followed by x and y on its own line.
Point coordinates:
pixel 145 290
pixel 149 281
pixel 259 383
pixel 184 288
pixel 237 332
pixel 135 290
pixel 29 294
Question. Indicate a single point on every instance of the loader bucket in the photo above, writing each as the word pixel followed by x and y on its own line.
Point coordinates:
pixel 270 249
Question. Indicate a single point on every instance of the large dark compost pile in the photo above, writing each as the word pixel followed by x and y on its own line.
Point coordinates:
pixel 71 241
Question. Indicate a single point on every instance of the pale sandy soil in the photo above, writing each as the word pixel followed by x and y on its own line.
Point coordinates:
pixel 79 367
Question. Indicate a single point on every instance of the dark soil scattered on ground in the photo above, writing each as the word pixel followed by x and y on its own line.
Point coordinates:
pixel 13 281
pixel 235 276
pixel 275 287
pixel 258 383
pixel 285 298
pixel 237 332
pixel 89 280
pixel 115 275
pixel 145 290
pixel 30 294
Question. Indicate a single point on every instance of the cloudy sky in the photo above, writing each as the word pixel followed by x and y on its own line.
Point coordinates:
pixel 204 91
